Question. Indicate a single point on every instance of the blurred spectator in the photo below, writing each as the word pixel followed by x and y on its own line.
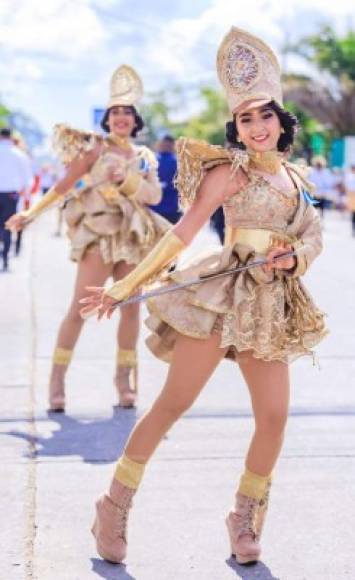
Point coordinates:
pixel 323 179
pixel 47 178
pixel 169 205
pixel 15 178
pixel 338 192
pixel 349 184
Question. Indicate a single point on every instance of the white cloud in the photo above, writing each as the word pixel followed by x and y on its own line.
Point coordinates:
pixel 186 48
pixel 58 27
pixel 64 51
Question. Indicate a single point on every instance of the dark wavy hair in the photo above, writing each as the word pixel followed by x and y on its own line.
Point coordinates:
pixel 137 118
pixel 288 121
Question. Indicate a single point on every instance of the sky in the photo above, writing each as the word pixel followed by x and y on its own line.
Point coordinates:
pixel 57 56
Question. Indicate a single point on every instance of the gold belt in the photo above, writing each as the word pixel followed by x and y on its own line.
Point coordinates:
pixel 260 240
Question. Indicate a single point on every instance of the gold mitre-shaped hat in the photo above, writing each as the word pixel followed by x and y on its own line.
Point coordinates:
pixel 248 70
pixel 126 87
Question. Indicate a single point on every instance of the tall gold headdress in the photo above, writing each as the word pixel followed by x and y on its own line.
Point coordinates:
pixel 126 87
pixel 248 70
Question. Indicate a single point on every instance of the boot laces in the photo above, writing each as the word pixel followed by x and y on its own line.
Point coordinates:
pixel 248 519
pixel 119 527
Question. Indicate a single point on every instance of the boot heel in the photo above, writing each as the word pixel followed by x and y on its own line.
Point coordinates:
pixel 110 524
pixel 240 525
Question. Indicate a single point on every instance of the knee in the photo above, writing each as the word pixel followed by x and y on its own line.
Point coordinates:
pixel 272 423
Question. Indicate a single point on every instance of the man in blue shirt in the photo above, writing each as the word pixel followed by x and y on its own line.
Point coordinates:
pixel 167 166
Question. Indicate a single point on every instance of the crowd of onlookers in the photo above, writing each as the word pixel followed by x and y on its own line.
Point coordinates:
pixel 21 177
pixel 334 187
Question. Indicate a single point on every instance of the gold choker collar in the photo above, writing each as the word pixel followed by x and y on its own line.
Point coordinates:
pixel 121 142
pixel 268 161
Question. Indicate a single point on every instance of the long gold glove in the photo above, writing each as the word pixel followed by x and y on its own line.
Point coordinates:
pixel 164 252
pixel 46 201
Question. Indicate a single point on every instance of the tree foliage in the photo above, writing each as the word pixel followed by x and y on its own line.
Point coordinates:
pixel 330 53
pixel 208 124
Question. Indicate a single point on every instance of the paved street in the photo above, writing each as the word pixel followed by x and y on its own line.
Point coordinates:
pixel 54 467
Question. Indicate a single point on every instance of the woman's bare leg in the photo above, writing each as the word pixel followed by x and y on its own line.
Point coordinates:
pixel 268 384
pixel 92 271
pixel 192 365
pixel 128 328
pixel 127 338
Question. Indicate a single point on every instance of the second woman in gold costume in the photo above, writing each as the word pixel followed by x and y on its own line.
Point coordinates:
pixel 111 228
pixel 262 318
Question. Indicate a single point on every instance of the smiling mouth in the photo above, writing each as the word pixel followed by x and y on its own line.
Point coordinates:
pixel 260 138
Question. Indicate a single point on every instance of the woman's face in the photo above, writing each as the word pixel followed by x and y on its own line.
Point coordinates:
pixel 259 128
pixel 121 121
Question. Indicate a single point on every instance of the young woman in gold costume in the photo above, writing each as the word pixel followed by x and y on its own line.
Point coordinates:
pixel 261 318
pixel 111 228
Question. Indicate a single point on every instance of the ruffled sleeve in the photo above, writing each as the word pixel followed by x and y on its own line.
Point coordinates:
pixel 195 158
pixel 308 229
pixel 69 143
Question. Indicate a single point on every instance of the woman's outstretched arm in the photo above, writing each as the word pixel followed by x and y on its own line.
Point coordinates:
pixel 217 185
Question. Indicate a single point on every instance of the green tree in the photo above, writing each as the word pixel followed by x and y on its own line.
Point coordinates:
pixel 163 107
pixel 4 115
pixel 209 124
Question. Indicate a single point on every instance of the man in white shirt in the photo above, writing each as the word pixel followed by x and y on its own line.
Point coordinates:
pixel 15 177
pixel 322 178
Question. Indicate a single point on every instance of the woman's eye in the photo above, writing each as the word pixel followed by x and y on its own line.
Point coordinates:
pixel 267 115
pixel 246 120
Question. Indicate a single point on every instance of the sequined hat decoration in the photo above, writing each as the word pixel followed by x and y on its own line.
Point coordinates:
pixel 126 87
pixel 248 70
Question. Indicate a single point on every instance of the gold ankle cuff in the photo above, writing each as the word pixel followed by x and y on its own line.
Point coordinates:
pixel 62 356
pixel 253 485
pixel 129 472
pixel 127 358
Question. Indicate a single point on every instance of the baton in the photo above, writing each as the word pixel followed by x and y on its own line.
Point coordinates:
pixel 199 280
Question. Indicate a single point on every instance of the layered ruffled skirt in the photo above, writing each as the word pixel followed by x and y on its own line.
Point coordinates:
pixel 125 232
pixel 270 314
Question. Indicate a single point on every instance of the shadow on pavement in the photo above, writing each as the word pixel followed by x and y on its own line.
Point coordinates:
pixel 110 571
pixel 253 572
pixel 100 441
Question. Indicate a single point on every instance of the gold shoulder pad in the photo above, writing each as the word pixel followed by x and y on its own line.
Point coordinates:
pixel 195 158
pixel 69 143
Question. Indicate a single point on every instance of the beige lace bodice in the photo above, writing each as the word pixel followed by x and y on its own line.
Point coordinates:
pixel 261 205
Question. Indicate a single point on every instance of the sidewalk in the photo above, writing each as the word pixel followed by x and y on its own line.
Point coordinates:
pixel 54 467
